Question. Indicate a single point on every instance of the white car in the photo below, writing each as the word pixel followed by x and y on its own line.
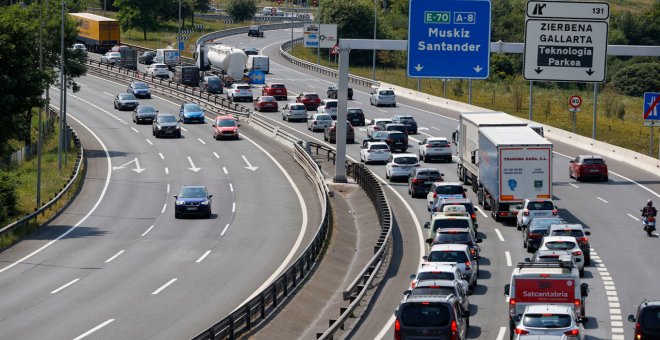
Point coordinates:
pixel 438 271
pixel 240 92
pixel 329 106
pixel 458 254
pixel 565 243
pixel 158 70
pixel 548 320
pixel 533 208
pixel 435 148
pixel 318 121
pixel 377 124
pixel 80 48
pixel 382 96
pixel 440 190
pixel 294 111
pixel 401 165
pixel 375 152
pixel 111 58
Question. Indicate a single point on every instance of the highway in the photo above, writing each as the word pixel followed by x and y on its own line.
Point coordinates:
pixel 116 264
pixel 619 279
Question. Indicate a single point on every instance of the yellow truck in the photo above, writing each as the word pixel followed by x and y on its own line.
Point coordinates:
pixel 98 33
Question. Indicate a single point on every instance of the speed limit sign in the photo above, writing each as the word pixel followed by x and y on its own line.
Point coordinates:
pixel 575 101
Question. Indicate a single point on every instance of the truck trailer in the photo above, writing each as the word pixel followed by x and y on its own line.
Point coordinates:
pixel 98 33
pixel 167 56
pixel 225 61
pixel 514 163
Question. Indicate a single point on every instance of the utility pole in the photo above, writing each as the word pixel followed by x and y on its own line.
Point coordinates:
pixel 373 66
pixel 62 81
pixel 39 132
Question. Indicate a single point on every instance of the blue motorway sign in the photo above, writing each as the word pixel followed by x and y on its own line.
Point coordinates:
pixel 257 77
pixel 651 107
pixel 449 39
pixel 181 46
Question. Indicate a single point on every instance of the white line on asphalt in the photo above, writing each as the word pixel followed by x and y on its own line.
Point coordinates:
pixel 499 235
pixel 433 127
pixel 215 154
pixel 201 258
pixel 414 139
pixel 81 84
pixel 147 231
pixel 184 129
pixel 109 94
pixel 167 171
pixel 601 199
pixel 148 141
pixel 426 134
pixel 231 187
pixel 161 155
pixel 225 170
pixel 164 286
pixel 224 230
pixel 89 213
pixel 482 213
pixel 136 130
pixel 82 336
pixel 381 110
pixel 633 217
pixel 65 285
pixel 357 102
pixel 114 256
pixel 500 334
pixel 168 188
pixel 201 141
pixel 508 258
pixel 233 207
pixel 573 185
pixel 164 206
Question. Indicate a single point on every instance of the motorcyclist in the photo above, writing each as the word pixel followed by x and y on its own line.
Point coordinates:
pixel 648 210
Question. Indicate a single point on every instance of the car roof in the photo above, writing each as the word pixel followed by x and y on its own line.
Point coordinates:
pixel 271 84
pixel 306 93
pixel 591 156
pixel 441 139
pixel 376 143
pixel 566 226
pixel 225 117
pixel 381 119
pixel 158 64
pixel 453 231
pixel 433 282
pixel 329 100
pixel 536 308
pixel 448 183
pixel 429 298
pixel 452 200
pixel 321 115
pixel 250 49
pixel 354 108
pixel 426 169
pixel 436 266
pixel 394 124
pixel 193 186
pixel 449 246
pixel 407 154
pixel 559 239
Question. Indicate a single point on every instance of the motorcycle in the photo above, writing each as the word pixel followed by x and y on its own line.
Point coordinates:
pixel 649 225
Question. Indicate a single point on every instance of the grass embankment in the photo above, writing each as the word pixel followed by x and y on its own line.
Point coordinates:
pixel 550 105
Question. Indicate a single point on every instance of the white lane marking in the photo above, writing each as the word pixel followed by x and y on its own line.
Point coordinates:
pixel 147 231
pixel 134 129
pixel 65 285
pixel 225 170
pixel 165 99
pixel 164 286
pixel 150 142
pixel 508 258
pixel 500 334
pixel 414 139
pixel 231 187
pixel 89 213
pixel 161 155
pixel 81 84
pixel 201 141
pixel 164 206
pixel 357 102
pixel 482 213
pixel 601 199
pixel 499 235
pixel 233 207
pixel 84 335
pixel 184 129
pixel 224 230
pixel 215 154
pixel 109 94
pixel 433 127
pixel 381 110
pixel 114 256
pixel 426 134
pixel 167 171
pixel 633 217
pixel 201 258
pixel 573 185
pixel 168 188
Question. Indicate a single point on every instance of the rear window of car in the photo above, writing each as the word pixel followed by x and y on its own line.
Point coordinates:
pixel 278 86
pixel 438 143
pixel 146 109
pixel 569 232
pixel 540 229
pixel 560 245
pixel 428 174
pixel 450 223
pixel 268 99
pixel 386 93
pixel 449 190
pixel 331 104
pixel 311 96
pixel 433 291
pixel 593 161
pixel 547 320
pixel 406 160
pixel 396 128
pixel 454 237
pixel 469 208
pixel 127 96
pixel 426 314
pixel 447 256
pixel 214 81
pixel 433 275
pixel 323 117
pixel 543 223
pixel 298 107
pixel 355 111
pixel 243 87
pixel 379 147
pixel 160 66
pixel 396 135
pixel 650 319
pixel 406 119
pixel 542 205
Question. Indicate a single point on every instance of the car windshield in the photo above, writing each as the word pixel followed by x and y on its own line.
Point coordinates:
pixel 438 143
pixel 166 119
pixel 560 245
pixel 425 314
pixel 540 205
pixel 435 290
pixel 323 117
pixel 140 86
pixel 568 232
pixel 226 122
pixel 449 190
pixel 192 108
pixel 253 28
pixel 433 275
pixel 149 54
pixel 331 104
pixel 382 123
pixel 544 222
pixel 146 109
pixel 447 256
pixel 593 161
pixel 160 66
pixel 127 96
pixel 457 237
pixel 547 320
pixel 379 147
pixel 386 93
pixel 114 54
pixel 405 160
pixel 650 319
pixel 192 192
pixel 213 81
pixel 451 223
pixel 428 174
pixel 539 229
pixel 406 119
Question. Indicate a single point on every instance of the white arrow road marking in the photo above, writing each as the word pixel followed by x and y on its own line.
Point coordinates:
pixel 192 165
pixel 249 166
pixel 421 128
pixel 137 169
pixel 477 69
pixel 419 67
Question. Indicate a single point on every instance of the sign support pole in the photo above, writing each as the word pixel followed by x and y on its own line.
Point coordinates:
pixel 651 142
pixel 593 129
pixel 419 84
pixel 574 119
pixel 531 97
pixel 470 91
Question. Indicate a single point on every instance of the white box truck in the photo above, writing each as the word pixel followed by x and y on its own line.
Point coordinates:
pixel 167 56
pixel 514 163
pixel 258 63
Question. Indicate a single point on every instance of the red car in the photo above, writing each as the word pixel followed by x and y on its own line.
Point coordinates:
pixel 225 127
pixel 277 90
pixel 265 103
pixel 311 100
pixel 585 166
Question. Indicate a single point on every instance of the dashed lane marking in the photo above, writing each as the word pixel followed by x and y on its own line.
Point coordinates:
pixel 601 199
pixel 499 235
pixel 84 335
pixel 164 286
pixel 201 258
pixel 65 285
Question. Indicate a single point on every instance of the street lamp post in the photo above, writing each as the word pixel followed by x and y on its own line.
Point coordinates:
pixel 373 67
pixel 62 81
pixel 39 132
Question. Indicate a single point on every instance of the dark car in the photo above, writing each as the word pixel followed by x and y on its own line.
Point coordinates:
pixel 251 51
pixel 458 236
pixel 419 183
pixel 408 121
pixel 147 57
pixel 332 92
pixel 144 113
pixel 355 116
pixel 330 133
pixel 647 320
pixel 588 166
pixel 125 101
pixel 192 200
pixel 166 124
pixel 255 31
pixel 211 84
pixel 139 89
pixel 538 228
pixel 396 140
pixel 431 317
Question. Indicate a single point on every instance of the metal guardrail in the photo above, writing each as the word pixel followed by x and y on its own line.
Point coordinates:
pixel 241 30
pixel 78 169
pixel 287 46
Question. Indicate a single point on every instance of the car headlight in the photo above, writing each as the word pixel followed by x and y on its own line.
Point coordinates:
pixel 180 202
pixel 204 203
pixel 178 127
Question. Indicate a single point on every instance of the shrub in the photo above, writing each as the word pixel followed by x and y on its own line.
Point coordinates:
pixel 8 197
pixel 634 80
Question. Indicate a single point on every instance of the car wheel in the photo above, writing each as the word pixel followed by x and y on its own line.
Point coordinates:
pixel 387 176
pixel 605 179
pixel 176 215
pixel 587 260
pixel 208 214
pixel 351 141
pixel 582 272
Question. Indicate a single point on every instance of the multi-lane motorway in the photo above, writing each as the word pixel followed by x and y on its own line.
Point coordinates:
pixel 130 270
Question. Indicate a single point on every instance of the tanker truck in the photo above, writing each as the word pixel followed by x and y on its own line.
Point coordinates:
pixel 225 61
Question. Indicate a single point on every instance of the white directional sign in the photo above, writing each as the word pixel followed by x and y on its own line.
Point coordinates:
pixel 559 49
pixel 326 35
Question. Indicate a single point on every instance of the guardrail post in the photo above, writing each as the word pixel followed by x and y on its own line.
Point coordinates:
pixel 231 327
pixel 248 316
pixel 262 299
pixel 274 294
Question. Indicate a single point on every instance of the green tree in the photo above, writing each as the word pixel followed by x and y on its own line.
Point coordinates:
pixel 241 10
pixel 139 14
pixel 354 19
pixel 637 78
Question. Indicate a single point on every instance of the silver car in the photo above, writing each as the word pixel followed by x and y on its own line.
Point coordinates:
pixel 125 101
pixel 111 58
pixel 380 97
pixel 550 320
pixel 294 111
pixel 318 121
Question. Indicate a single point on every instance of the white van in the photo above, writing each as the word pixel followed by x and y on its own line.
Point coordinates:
pixel 258 63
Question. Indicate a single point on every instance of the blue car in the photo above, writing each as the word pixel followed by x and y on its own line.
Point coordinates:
pixel 192 200
pixel 139 89
pixel 190 112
